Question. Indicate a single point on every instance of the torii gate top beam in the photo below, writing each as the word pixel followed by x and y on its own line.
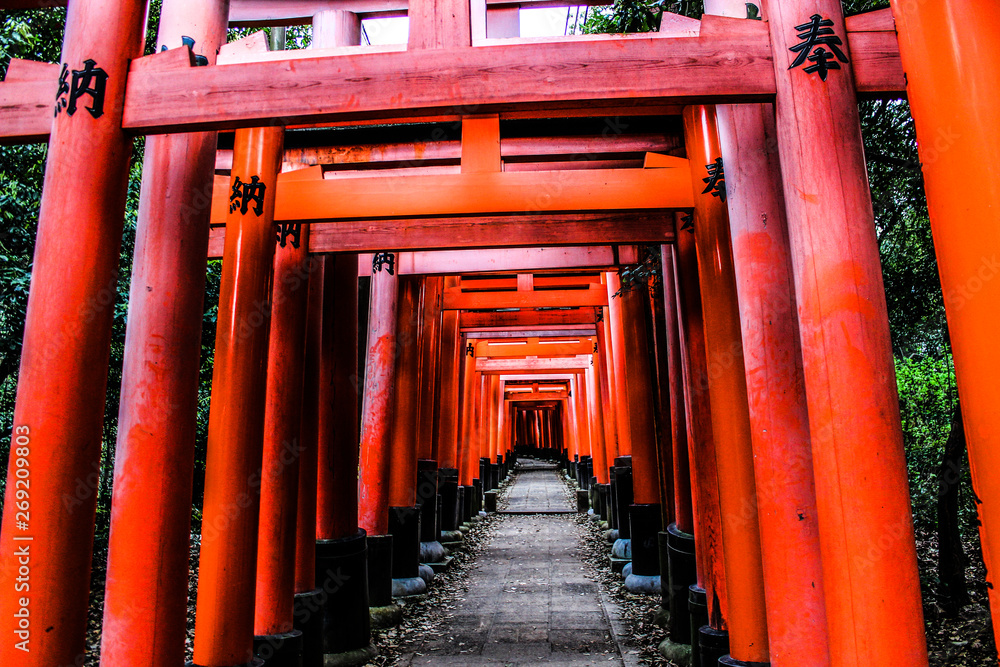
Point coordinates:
pixel 729 61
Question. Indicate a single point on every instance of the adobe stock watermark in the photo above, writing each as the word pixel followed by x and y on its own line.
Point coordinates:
pixel 20 464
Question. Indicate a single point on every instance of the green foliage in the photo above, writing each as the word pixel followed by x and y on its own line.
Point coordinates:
pixel 927 399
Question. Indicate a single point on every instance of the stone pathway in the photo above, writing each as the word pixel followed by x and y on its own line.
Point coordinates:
pixel 529 599
pixel 537 490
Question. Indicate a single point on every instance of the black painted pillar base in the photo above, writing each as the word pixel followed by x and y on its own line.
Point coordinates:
pixel 713 645
pixel 477 496
pixel 280 650
pixel 484 473
pixel 612 499
pixel 646 524
pixel 308 619
pixel 491 501
pixel 342 573
pixel 681 574
pixel 466 493
pixel 698 613
pixel 451 509
pixel 379 570
pixel 254 662
pixel 582 501
pixel 623 499
pixel 404 526
pixel 427 494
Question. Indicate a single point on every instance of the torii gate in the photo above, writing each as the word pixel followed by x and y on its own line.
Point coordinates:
pixel 867 554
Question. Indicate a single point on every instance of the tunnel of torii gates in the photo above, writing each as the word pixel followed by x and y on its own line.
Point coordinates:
pixel 488 188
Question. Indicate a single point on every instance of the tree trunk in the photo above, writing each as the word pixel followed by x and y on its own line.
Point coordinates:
pixel 953 591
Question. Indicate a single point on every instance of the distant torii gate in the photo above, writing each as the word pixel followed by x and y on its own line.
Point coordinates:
pixel 806 60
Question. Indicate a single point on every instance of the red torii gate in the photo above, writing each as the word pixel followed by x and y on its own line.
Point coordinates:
pixel 844 347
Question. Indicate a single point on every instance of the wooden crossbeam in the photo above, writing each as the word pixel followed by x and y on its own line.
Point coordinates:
pixel 613 69
pixel 524 396
pixel 729 62
pixel 506 260
pixel 474 194
pixel 525 318
pixel 492 284
pixel 455 299
pixel 532 366
pixel 538 347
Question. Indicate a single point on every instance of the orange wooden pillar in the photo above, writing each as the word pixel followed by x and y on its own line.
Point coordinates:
pixel 664 451
pixel 605 371
pixel 644 514
pixel 224 618
pixel 870 574
pixel 944 46
pixel 596 411
pixel 59 410
pixel 616 359
pixel 683 512
pixel 468 455
pixel 430 354
pixel 708 601
pixel 728 391
pixel 677 540
pixel 145 607
pixel 379 395
pixel 308 598
pixel 447 417
pixel 337 479
pixel 276 539
pixel 449 381
pixel 786 494
pixel 404 515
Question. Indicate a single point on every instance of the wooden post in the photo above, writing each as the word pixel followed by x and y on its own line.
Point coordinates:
pixel 468 468
pixel 376 426
pixel 616 346
pixel 786 494
pixel 430 354
pixel 58 415
pixel 306 517
pixel 596 411
pixel 606 377
pixel 709 544
pixel 683 511
pixel 449 381
pixel 145 607
pixel 939 42
pixel 224 619
pixel 870 574
pixel 337 479
pixel 403 417
pixel 728 392
pixel 282 436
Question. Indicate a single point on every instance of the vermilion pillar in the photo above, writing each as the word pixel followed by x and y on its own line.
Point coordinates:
pixel 603 364
pixel 305 523
pixel 954 103
pixel 337 480
pixel 709 543
pixel 616 347
pixel 596 410
pixel 664 452
pixel 224 620
pixel 869 558
pixel 448 397
pixel 282 437
pixel 376 427
pixel 468 454
pixel 59 411
pixel 430 348
pixel 786 495
pixel 145 607
pixel 728 391
pixel 683 512
pixel 403 416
